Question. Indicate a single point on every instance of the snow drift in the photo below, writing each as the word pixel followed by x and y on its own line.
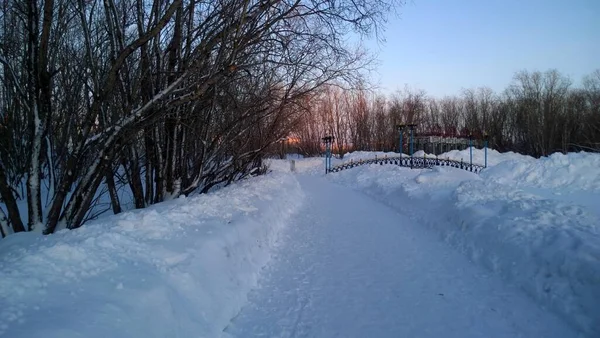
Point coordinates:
pixel 534 222
pixel 181 268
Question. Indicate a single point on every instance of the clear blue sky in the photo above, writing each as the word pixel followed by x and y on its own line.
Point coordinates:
pixel 442 46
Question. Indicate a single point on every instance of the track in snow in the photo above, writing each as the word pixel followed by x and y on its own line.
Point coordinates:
pixel 349 266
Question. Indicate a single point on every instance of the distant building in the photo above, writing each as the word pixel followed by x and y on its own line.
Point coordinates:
pixel 440 144
pixel 439 141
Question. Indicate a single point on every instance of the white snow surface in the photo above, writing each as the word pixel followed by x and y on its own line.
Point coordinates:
pixel 494 157
pixel 534 222
pixel 182 268
pixel 353 267
pixel 575 172
pixel 373 251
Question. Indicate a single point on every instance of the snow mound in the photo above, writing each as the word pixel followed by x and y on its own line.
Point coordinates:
pixel 550 247
pixel 301 165
pixel 181 268
pixel 363 155
pixel 574 171
pixel 535 222
pixel 421 153
pixel 493 156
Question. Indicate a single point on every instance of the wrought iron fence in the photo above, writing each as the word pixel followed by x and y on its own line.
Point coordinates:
pixel 412 162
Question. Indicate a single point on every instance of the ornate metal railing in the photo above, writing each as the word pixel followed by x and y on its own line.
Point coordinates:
pixel 411 162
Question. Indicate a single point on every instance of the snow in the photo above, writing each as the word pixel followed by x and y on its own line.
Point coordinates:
pixel 494 157
pixel 352 267
pixel 377 250
pixel 308 165
pixel 535 223
pixel 180 268
pixel 569 173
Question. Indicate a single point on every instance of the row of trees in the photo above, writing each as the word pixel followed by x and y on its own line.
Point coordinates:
pixel 160 97
pixel 538 114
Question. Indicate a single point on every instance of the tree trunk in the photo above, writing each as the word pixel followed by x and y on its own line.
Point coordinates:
pixel 5 229
pixel 132 168
pixel 11 204
pixel 150 165
pixel 158 169
pixel 112 191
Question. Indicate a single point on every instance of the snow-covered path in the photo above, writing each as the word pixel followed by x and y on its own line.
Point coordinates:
pixel 349 266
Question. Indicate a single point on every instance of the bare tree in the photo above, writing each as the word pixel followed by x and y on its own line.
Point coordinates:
pixel 161 98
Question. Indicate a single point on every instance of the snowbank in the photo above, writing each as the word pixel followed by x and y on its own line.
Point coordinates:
pixel 494 157
pixel 307 165
pixel 362 155
pixel 181 268
pixel 534 222
pixel 572 172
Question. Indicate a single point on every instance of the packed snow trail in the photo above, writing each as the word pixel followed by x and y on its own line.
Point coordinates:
pixel 349 266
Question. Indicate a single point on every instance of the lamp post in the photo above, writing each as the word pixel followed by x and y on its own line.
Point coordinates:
pixel 485 146
pixel 400 131
pixel 328 140
pixel 471 149
pixel 412 128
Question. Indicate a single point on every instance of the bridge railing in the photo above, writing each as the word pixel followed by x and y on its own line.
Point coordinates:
pixel 412 162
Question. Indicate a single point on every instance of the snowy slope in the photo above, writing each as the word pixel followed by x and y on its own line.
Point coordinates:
pixel 178 269
pixel 534 222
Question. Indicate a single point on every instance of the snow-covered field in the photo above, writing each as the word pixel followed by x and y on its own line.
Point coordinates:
pixel 182 268
pixel 534 222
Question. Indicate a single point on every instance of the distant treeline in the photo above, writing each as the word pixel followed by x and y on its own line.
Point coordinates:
pixel 538 114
